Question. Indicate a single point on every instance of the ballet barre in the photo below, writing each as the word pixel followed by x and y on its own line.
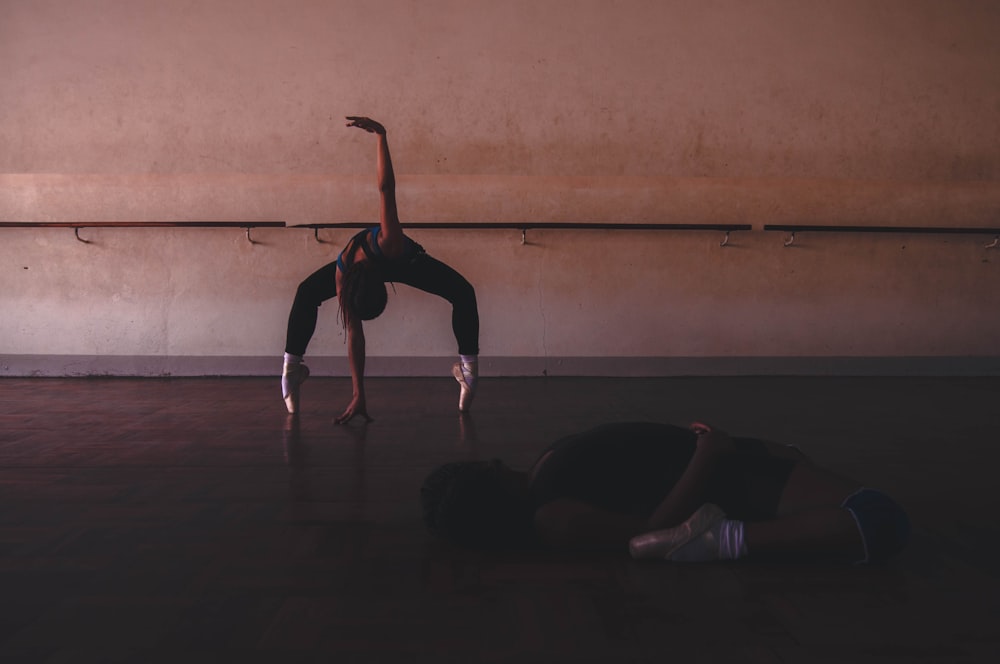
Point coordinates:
pixel 77 225
pixel 791 229
pixel 524 227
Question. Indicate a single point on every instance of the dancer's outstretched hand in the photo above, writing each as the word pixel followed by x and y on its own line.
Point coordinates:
pixel 367 124
pixel 355 408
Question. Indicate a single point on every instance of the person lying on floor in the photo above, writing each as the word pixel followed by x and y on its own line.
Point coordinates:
pixel 665 492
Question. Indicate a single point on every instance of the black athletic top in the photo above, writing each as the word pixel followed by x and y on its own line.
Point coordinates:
pixel 630 467
pixel 373 251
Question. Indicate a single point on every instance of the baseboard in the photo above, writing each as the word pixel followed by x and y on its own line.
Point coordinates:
pixel 187 366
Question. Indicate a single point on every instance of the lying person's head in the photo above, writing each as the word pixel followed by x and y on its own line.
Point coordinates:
pixel 480 504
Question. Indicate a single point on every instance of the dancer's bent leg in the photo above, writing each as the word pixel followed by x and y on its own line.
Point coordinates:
pixel 318 287
pixel 432 276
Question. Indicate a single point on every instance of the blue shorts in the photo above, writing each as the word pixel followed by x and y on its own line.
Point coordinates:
pixel 883 524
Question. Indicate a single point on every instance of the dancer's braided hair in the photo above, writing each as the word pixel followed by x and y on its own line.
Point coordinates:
pixel 363 292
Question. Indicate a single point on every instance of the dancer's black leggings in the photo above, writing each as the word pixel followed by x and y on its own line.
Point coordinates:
pixel 423 272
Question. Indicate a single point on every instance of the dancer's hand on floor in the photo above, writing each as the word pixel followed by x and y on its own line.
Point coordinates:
pixel 356 407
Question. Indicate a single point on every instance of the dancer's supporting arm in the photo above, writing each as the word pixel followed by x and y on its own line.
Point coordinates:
pixel 390 239
pixel 570 524
pixel 356 359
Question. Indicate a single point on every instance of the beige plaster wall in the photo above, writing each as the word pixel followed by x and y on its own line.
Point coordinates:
pixel 862 112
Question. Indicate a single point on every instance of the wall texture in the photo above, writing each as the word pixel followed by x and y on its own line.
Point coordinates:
pixel 861 112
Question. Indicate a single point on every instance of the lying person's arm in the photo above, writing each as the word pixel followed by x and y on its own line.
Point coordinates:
pixel 691 490
pixel 570 524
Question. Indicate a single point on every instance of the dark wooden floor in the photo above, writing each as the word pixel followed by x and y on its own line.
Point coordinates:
pixel 187 520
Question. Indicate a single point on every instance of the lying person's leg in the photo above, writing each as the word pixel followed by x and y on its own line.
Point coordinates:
pixel 810 521
pixel 823 534
pixel 822 514
pixel 821 518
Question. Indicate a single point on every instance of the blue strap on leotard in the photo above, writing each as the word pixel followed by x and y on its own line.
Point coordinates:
pixel 359 237
pixel 374 252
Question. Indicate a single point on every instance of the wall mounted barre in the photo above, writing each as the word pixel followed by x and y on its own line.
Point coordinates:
pixel 791 229
pixel 524 227
pixel 77 225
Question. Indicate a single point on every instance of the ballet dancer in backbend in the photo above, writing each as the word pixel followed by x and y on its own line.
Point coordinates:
pixel 372 257
pixel 667 493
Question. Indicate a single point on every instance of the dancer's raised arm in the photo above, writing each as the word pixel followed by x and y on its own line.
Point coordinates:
pixel 391 236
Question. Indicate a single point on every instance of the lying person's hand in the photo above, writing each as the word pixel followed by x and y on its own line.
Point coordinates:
pixel 711 439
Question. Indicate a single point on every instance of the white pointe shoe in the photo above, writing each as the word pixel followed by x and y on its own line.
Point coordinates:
pixel 467 391
pixel 292 376
pixel 661 544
